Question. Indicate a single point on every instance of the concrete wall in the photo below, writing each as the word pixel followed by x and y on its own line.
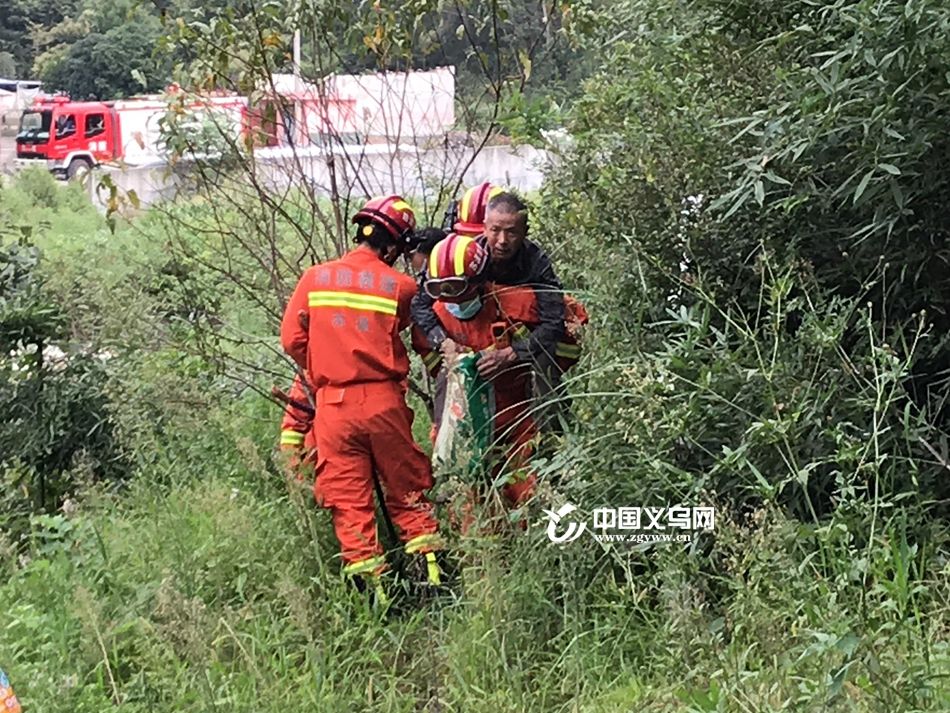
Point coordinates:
pixel 375 169
pixel 372 170
pixel 151 184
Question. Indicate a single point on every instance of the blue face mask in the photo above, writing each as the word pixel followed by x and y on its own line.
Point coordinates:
pixel 464 310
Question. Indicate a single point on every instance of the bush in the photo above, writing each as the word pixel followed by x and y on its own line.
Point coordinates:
pixel 118 63
pixel 766 309
pixel 54 418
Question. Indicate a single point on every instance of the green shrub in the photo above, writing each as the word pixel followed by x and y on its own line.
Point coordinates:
pixel 55 424
pixel 765 310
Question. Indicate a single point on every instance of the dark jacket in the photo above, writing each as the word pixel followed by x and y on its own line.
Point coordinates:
pixel 529 266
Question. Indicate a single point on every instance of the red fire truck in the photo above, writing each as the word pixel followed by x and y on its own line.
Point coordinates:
pixel 71 137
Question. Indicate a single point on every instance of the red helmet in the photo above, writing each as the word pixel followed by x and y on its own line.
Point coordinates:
pixel 454 265
pixel 392 213
pixel 472 208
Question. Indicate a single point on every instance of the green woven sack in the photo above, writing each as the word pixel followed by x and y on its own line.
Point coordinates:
pixel 465 433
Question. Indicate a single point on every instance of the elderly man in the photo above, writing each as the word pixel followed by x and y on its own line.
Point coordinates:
pixel 514 260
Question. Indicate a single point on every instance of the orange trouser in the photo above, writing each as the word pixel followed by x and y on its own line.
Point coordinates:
pixel 514 436
pixel 516 433
pixel 361 428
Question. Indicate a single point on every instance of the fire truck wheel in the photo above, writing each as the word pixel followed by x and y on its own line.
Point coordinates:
pixel 78 169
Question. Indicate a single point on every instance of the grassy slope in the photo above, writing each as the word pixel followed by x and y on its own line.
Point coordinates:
pixel 210 585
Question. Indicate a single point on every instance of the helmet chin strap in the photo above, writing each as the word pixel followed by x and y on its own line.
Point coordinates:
pixel 391 254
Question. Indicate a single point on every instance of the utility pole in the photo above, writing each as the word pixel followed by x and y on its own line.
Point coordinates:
pixel 297 52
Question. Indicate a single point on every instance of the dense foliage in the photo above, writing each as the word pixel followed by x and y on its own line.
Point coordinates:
pixel 56 428
pixel 766 182
pixel 89 48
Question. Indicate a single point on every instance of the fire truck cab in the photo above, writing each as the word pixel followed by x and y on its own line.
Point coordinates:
pixel 71 137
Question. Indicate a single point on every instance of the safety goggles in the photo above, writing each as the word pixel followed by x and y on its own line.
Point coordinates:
pixel 446 287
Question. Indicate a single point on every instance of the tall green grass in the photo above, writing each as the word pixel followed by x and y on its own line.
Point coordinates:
pixel 206 582
pixel 220 591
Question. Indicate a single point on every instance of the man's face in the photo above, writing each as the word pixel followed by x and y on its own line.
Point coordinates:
pixel 505 232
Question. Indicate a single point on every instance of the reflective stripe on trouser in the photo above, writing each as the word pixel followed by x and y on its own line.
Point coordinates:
pixel 424 543
pixel 432 362
pixel 567 350
pixel 370 571
pixel 370 565
pixel 433 571
pixel 362 428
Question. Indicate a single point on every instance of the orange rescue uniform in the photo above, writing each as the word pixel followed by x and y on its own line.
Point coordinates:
pixel 514 430
pixel 358 365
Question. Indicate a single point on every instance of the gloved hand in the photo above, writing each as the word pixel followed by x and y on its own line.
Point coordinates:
pixel 296 463
pixel 290 458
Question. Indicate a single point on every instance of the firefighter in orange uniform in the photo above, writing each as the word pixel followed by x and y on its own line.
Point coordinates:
pixel 518 262
pixel 357 364
pixel 468 218
pixel 486 318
